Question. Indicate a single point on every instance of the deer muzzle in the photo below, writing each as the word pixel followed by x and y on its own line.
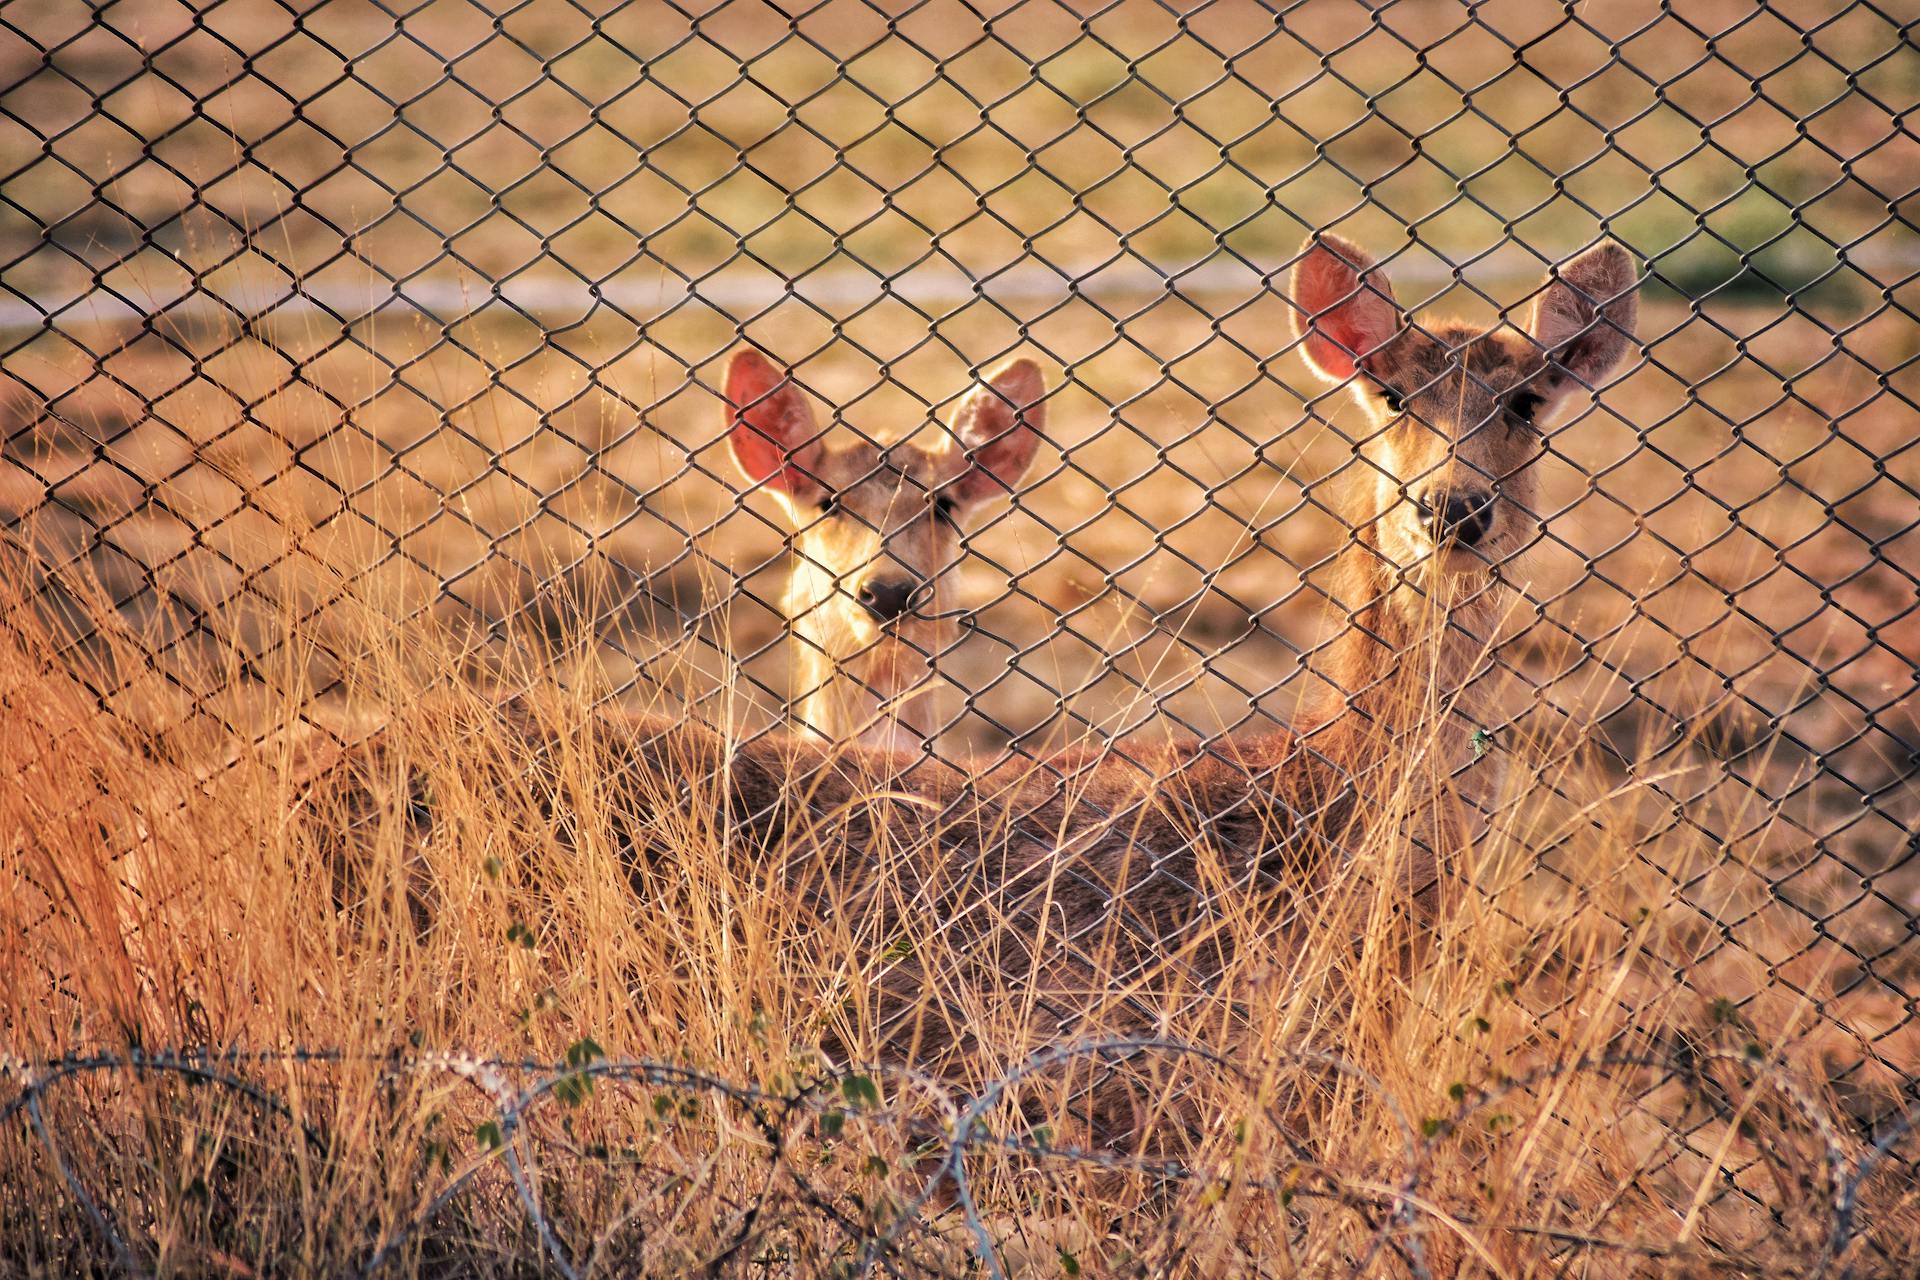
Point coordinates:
pixel 1459 518
pixel 886 598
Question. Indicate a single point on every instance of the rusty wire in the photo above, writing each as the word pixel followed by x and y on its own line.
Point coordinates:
pixel 952 1138
pixel 433 278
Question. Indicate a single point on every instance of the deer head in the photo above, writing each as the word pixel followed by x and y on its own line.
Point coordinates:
pixel 877 524
pixel 1456 407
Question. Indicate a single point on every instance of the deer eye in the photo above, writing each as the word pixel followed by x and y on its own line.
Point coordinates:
pixel 1391 399
pixel 1523 405
pixel 830 505
pixel 944 507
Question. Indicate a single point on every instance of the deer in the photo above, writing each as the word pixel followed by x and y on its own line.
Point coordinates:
pixel 876 532
pixel 1138 844
pixel 1441 531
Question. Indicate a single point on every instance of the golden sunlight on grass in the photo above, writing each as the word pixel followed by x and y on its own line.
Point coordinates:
pixel 404 869
pixel 544 881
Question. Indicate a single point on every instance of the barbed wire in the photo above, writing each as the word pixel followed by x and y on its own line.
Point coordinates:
pixel 952 1134
pixel 452 285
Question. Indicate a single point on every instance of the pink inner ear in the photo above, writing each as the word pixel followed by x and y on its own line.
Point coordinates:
pixel 1004 439
pixel 761 460
pixel 1340 318
pixel 998 468
pixel 772 428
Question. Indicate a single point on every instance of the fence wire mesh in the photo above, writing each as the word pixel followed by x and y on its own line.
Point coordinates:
pixel 434 304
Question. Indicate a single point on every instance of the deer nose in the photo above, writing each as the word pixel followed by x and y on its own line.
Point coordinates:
pixel 1460 518
pixel 886 598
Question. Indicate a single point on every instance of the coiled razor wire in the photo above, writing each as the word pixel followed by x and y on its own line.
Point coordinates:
pixel 1398 1208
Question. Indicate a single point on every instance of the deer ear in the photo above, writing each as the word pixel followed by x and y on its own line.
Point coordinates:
pixel 1343 307
pixel 999 423
pixel 1583 319
pixel 770 428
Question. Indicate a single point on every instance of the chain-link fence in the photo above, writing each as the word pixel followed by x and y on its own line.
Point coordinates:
pixel 441 297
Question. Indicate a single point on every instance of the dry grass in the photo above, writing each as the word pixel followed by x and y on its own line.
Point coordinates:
pixel 240 536
pixel 475 888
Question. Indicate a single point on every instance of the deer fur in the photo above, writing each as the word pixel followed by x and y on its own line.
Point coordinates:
pixel 1442 518
pixel 1454 411
pixel 1138 845
pixel 876 534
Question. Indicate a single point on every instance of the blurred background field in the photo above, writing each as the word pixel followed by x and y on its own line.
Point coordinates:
pixel 430 306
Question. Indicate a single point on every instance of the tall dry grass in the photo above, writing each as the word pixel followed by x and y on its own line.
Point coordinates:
pixel 184 868
pixel 428 873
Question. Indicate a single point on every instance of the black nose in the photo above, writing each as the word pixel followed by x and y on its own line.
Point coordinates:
pixel 1461 518
pixel 885 598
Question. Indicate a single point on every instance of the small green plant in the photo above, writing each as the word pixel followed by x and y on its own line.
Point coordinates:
pixel 860 1091
pixel 574 1088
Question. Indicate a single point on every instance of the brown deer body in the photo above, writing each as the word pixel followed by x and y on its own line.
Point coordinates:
pixel 876 536
pixel 1143 830
pixel 1130 853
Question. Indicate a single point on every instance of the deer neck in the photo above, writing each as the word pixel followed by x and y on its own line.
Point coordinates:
pixel 854 690
pixel 1409 672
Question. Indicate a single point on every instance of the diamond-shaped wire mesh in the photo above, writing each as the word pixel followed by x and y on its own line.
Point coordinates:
pixel 448 289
